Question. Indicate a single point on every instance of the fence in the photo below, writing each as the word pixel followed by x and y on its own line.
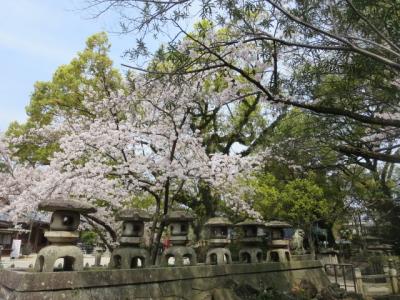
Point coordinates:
pixel 344 275
pixel 351 279
pixel 380 284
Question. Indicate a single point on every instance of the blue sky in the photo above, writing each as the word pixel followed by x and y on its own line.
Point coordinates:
pixel 37 36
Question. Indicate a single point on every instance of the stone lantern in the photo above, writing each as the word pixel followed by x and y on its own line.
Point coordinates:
pixel 278 246
pixel 63 235
pixel 179 253
pixel 251 239
pixel 218 239
pixel 129 255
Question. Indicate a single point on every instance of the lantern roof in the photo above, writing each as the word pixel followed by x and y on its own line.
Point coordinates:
pixel 250 222
pixel 218 221
pixel 179 215
pixel 133 215
pixel 67 205
pixel 277 224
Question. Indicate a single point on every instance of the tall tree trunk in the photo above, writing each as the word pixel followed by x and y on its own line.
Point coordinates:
pixel 157 242
pixel 155 221
pixel 311 241
pixel 162 223
pixel 207 200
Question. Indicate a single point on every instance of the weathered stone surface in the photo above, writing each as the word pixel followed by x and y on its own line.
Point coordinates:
pixel 202 296
pixel 179 239
pixel 179 253
pixel 250 255
pixel 250 222
pixel 205 285
pixel 130 240
pixel 181 288
pixel 65 220
pixel 73 258
pixel 62 236
pixel 133 215
pixel 277 224
pixel 251 240
pixel 219 256
pixel 220 242
pixel 159 283
pixel 218 221
pixel 224 294
pixel 64 205
pixel 246 291
pixel 122 257
pixel 179 215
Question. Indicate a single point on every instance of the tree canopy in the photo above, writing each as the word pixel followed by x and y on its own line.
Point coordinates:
pixel 272 109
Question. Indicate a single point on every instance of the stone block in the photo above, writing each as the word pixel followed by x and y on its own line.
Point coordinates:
pixel 202 295
pixel 224 294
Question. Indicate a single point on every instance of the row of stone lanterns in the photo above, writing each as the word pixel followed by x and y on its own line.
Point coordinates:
pixel 66 217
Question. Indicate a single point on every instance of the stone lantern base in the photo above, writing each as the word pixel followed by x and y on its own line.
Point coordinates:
pixel 218 256
pixel 129 258
pixel 250 255
pixel 73 258
pixel 183 256
pixel 278 255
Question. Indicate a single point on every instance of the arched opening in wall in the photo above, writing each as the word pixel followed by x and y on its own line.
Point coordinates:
pixel 170 260
pixel 187 259
pixel 117 261
pixel 274 256
pixel 245 257
pixel 259 256
pixel 41 263
pixel 137 262
pixel 213 259
pixel 227 258
pixel 287 255
pixel 65 263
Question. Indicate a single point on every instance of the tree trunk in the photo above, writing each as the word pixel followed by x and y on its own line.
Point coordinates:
pixel 311 241
pixel 155 221
pixel 207 200
pixel 162 223
pixel 156 244
pixel 100 233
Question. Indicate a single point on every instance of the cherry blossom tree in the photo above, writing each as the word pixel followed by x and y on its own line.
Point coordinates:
pixel 141 143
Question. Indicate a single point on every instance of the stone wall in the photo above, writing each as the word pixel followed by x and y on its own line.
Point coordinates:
pixel 218 282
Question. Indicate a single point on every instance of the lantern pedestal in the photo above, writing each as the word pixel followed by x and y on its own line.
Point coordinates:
pixel 129 258
pixel 46 258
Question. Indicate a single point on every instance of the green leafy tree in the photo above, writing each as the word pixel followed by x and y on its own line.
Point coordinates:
pixel 91 70
pixel 301 202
